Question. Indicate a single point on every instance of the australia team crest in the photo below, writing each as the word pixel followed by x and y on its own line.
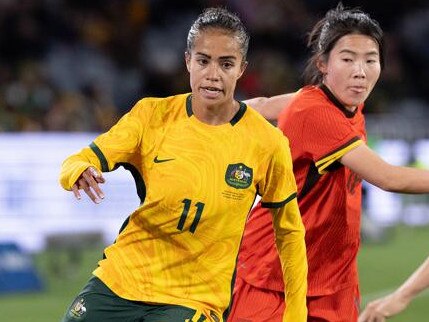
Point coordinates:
pixel 77 309
pixel 239 176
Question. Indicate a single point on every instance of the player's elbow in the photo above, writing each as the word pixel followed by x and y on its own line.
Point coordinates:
pixel 384 184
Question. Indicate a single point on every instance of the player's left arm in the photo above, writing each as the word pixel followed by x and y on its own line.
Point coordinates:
pixel 279 191
pixel 373 169
pixel 397 301
pixel 290 232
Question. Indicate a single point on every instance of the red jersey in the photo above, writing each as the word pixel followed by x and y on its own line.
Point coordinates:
pixel 320 131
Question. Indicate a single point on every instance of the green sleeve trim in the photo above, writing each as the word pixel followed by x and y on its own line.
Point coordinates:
pixel 101 157
pixel 278 204
pixel 138 179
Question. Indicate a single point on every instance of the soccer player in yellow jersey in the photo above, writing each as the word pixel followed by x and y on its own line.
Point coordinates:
pixel 199 160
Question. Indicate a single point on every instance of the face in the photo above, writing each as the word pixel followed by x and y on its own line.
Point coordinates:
pixel 214 64
pixel 352 69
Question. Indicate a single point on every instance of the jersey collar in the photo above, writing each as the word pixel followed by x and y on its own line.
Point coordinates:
pixel 237 117
pixel 336 102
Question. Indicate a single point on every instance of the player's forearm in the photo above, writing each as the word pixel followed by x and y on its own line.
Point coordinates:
pixel 292 252
pixel 416 283
pixel 290 243
pixel 294 265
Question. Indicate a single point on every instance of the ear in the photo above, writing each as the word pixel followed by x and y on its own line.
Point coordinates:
pixel 322 66
pixel 243 68
pixel 188 60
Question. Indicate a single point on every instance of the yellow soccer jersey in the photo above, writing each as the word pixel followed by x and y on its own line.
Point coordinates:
pixel 197 184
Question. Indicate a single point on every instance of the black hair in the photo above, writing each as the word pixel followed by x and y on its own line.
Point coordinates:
pixel 337 23
pixel 223 19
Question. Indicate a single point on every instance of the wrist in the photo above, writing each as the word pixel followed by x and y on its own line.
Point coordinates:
pixel 405 295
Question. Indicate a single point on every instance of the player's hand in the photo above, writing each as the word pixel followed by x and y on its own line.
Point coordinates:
pixel 89 182
pixel 381 309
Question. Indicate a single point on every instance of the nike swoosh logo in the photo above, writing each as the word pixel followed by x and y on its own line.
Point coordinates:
pixel 156 160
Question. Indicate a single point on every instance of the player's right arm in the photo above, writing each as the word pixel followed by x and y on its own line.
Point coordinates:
pixel 270 107
pixel 396 302
pixel 89 182
pixel 83 170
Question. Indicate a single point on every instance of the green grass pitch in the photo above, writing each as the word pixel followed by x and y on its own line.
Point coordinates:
pixel 382 266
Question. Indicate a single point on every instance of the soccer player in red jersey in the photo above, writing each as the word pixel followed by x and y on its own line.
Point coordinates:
pixel 326 129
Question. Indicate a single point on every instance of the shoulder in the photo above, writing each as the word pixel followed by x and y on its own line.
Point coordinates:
pixel 159 103
pixel 310 105
pixel 267 136
pixel 259 125
pixel 159 108
pixel 309 97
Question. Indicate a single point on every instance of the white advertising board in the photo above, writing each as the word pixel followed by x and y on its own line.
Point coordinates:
pixel 32 203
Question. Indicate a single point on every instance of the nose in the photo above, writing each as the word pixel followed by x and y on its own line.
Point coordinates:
pixel 359 70
pixel 213 72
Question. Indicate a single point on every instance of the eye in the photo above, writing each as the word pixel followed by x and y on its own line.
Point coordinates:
pixel 227 64
pixel 372 61
pixel 202 61
pixel 347 60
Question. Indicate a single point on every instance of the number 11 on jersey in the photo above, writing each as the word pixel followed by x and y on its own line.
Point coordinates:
pixel 186 207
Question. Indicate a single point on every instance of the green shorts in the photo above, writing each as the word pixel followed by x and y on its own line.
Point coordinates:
pixel 98 303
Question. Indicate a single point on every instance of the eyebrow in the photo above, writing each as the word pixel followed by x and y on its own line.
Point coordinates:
pixel 221 57
pixel 370 53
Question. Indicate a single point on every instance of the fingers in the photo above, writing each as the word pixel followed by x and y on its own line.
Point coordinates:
pixel 97 176
pixel 76 192
pixel 89 190
pixel 372 313
pixel 90 176
pixel 88 182
pixel 372 318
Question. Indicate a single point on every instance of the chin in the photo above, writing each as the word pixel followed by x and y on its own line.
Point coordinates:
pixel 213 100
pixel 356 101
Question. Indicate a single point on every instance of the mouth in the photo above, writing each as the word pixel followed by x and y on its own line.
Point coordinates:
pixel 210 92
pixel 358 89
pixel 213 90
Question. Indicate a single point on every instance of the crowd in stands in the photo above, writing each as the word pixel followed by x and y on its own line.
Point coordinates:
pixel 78 65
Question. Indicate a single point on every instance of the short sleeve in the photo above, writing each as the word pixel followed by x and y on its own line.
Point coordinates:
pixel 322 132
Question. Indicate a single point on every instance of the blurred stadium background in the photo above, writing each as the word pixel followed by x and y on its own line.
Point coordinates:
pixel 69 69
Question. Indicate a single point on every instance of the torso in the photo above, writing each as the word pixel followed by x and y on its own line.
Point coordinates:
pixel 180 245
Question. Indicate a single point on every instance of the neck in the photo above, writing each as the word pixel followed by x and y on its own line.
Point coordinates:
pixel 215 114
